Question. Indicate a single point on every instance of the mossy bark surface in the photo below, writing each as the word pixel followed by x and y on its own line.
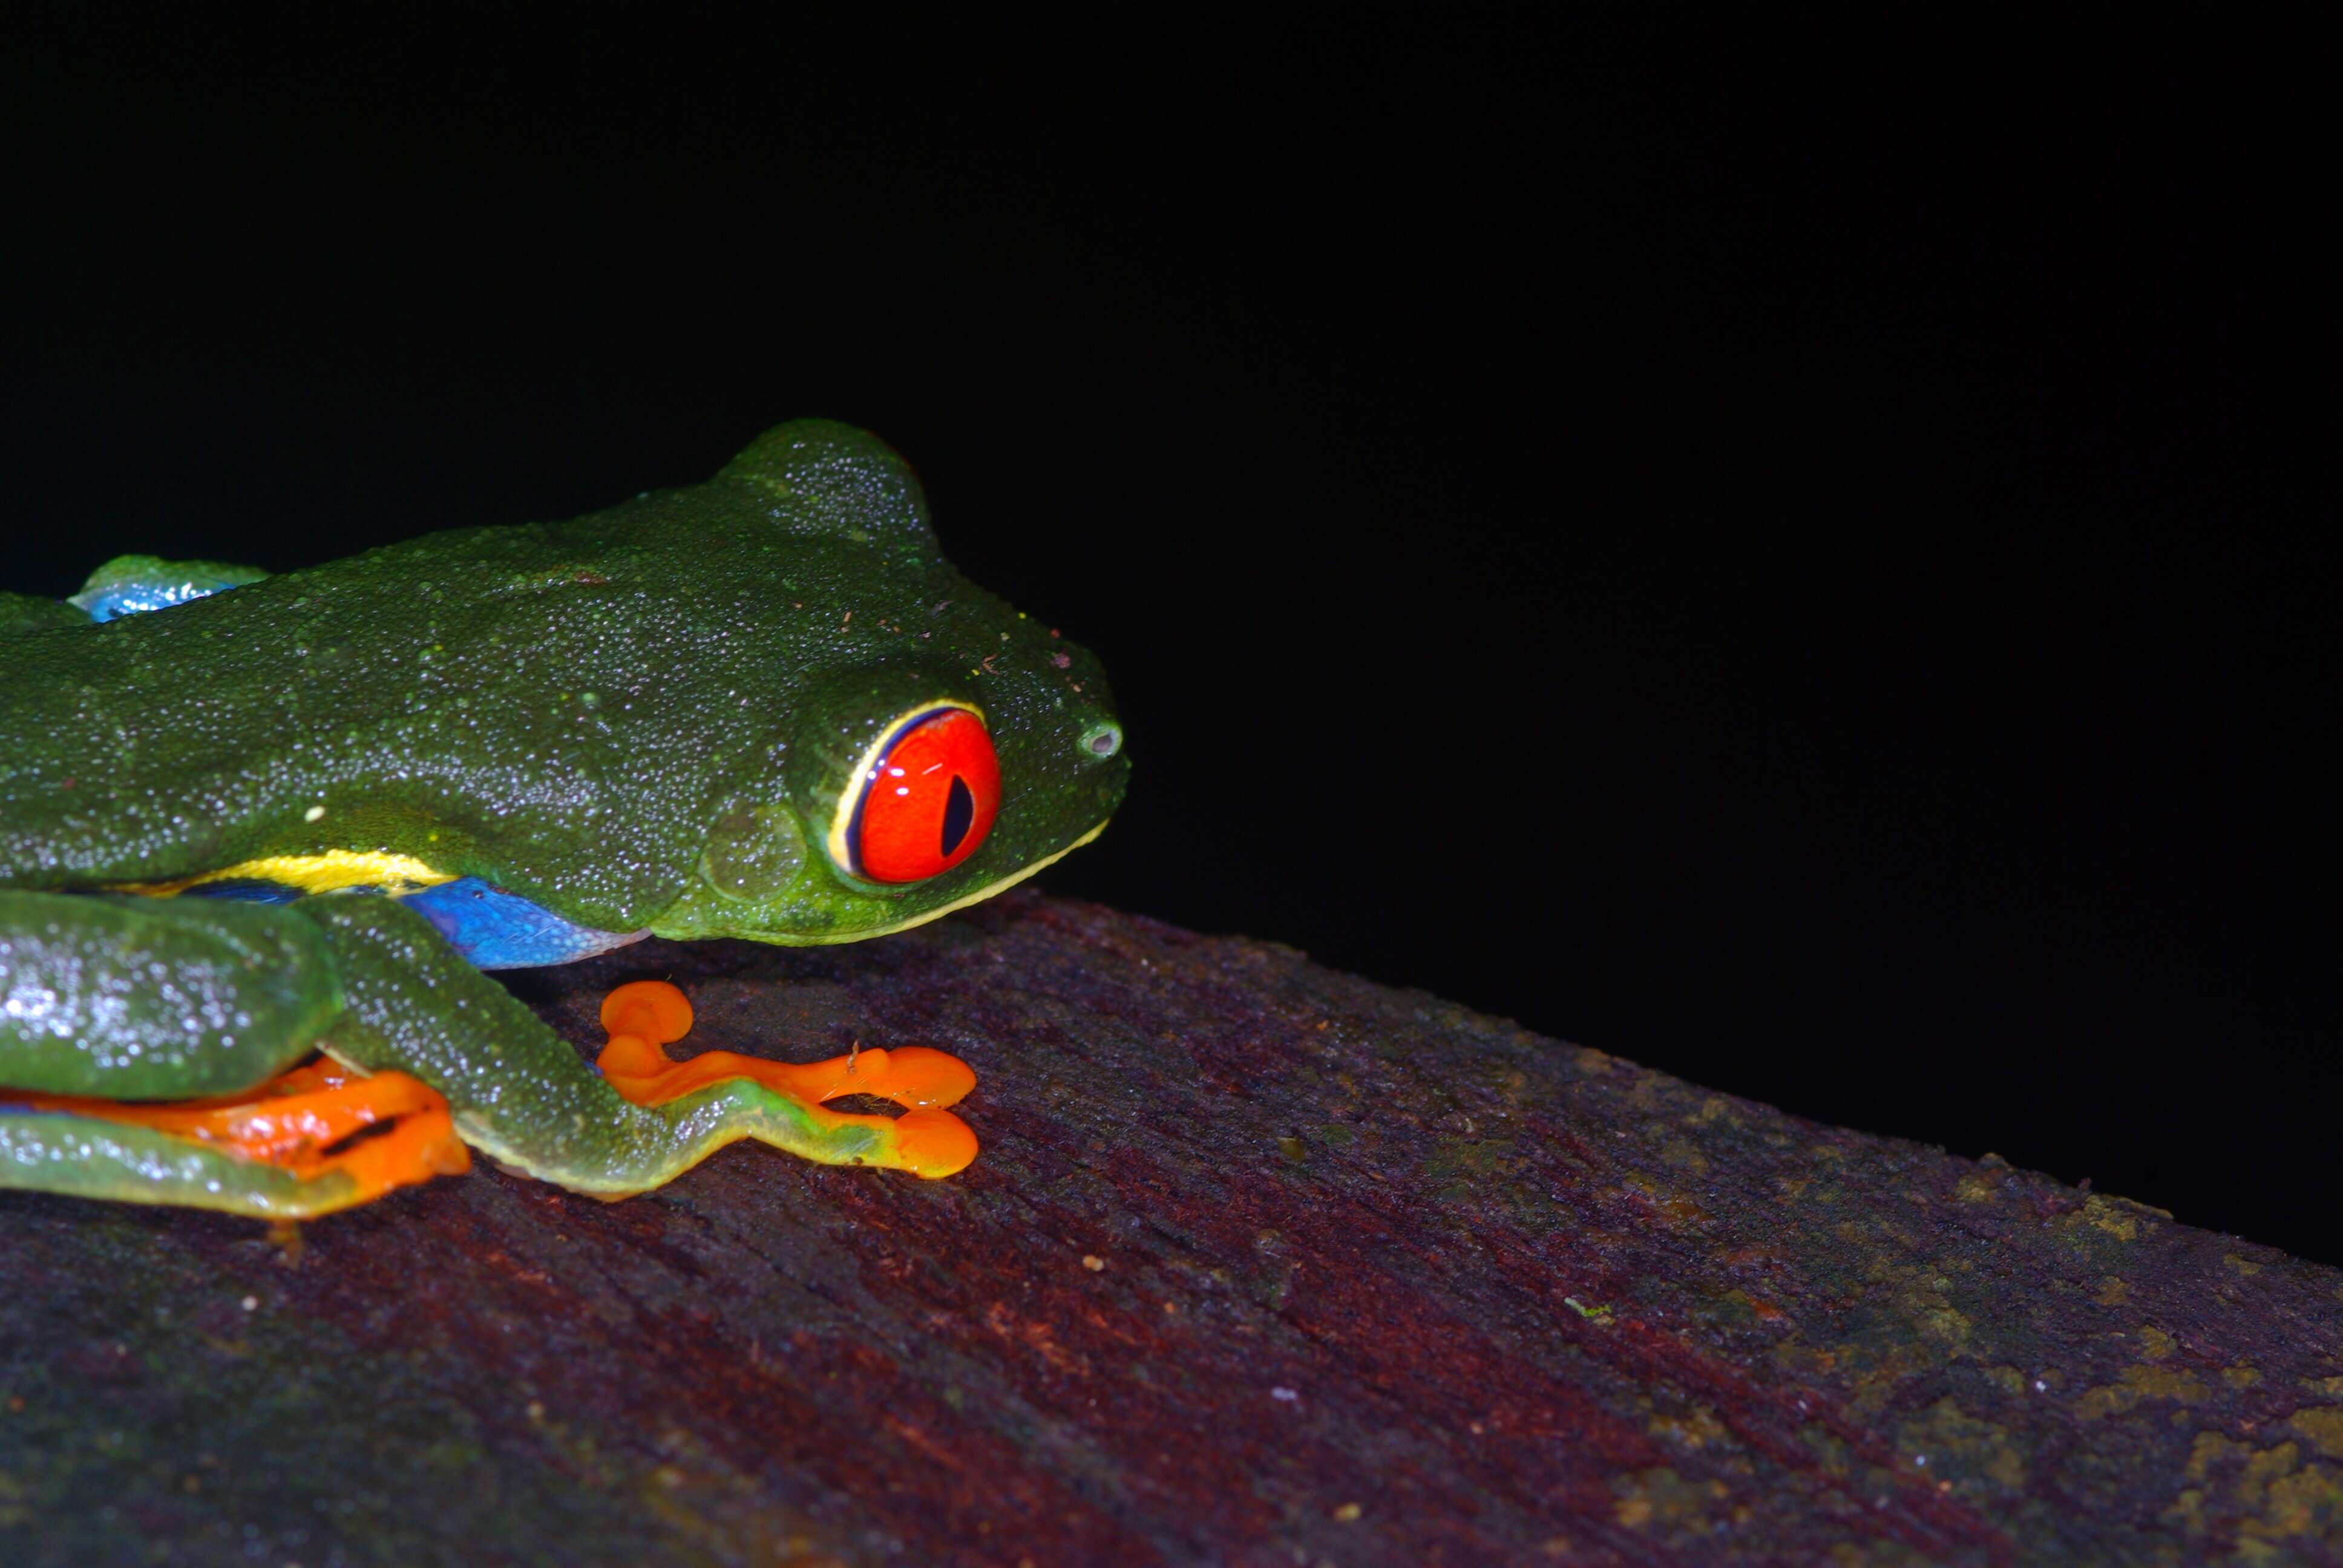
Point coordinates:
pixel 1262 1263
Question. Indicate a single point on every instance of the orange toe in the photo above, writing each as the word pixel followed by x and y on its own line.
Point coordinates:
pixel 917 1077
pixel 413 1153
pixel 933 1143
pixel 653 1010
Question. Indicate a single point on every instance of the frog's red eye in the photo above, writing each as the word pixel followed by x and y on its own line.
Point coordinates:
pixel 927 799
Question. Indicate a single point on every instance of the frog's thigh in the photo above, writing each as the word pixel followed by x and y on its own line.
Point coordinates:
pixel 126 998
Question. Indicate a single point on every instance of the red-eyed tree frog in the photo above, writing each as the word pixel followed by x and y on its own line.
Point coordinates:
pixel 260 834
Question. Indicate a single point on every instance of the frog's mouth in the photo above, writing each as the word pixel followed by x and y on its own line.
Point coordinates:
pixel 977 897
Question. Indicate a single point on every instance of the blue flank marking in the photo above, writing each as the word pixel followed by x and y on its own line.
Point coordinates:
pixel 499 930
pixel 492 929
pixel 116 603
pixel 138 598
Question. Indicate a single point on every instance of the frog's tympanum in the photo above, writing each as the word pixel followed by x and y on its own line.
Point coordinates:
pixel 259 834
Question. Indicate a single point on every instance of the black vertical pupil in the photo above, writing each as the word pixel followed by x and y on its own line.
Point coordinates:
pixel 960 812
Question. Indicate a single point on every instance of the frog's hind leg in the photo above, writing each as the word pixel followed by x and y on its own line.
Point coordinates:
pixel 145 1052
pixel 305 1145
pixel 292 1121
pixel 927 1140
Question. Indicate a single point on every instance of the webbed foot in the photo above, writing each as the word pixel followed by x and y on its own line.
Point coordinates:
pixel 927 1140
pixel 305 1123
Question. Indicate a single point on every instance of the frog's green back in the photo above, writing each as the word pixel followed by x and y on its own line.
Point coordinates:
pixel 561 709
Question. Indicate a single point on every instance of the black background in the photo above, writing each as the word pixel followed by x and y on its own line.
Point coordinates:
pixel 1801 554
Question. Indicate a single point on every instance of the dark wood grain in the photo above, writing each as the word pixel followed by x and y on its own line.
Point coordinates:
pixel 1262 1263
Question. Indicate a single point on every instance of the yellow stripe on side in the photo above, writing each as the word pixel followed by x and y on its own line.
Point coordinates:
pixel 325 872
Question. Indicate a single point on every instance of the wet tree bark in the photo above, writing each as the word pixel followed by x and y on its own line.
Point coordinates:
pixel 1262 1263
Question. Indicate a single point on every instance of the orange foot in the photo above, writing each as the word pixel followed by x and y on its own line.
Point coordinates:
pixel 646 1015
pixel 299 1121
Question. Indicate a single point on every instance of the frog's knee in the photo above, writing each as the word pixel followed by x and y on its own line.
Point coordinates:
pixel 129 998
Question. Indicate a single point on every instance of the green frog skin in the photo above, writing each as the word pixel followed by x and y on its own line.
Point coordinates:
pixel 245 820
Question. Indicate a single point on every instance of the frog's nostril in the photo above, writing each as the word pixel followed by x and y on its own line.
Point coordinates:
pixel 1102 739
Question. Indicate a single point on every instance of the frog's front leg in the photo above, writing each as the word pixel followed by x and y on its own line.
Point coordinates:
pixel 521 1093
pixel 927 1140
pixel 109 1004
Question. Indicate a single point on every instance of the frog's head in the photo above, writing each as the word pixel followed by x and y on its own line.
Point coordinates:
pixel 938 745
